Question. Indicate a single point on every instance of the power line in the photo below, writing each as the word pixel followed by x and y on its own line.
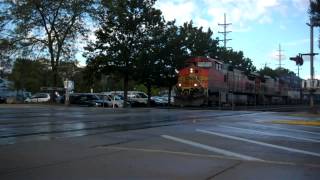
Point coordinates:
pixel 225 32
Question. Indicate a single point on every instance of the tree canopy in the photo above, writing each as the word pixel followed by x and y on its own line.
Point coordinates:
pixel 46 28
pixel 198 42
pixel 125 30
pixel 314 9
pixel 236 60
pixel 276 73
pixel 30 75
pixel 314 12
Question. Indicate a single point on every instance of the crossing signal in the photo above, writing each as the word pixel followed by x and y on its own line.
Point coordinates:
pixel 298 60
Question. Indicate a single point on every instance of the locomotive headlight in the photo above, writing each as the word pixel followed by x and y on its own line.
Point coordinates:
pixel 191 70
pixel 195 84
pixel 179 84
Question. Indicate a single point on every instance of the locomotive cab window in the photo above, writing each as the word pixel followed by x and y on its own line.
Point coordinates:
pixel 205 64
pixel 218 66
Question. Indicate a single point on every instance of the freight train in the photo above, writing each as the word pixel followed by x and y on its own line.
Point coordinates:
pixel 207 81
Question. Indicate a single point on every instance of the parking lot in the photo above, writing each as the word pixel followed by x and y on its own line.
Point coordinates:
pixel 57 142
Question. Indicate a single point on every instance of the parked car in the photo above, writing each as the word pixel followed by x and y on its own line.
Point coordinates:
pixel 135 98
pixel 159 101
pixel 2 99
pixel 112 100
pixel 38 97
pixel 165 97
pixel 86 99
pixel 133 95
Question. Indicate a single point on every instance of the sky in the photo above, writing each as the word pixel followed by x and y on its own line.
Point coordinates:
pixel 258 27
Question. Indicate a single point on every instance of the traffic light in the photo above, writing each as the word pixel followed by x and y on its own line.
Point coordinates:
pixel 298 60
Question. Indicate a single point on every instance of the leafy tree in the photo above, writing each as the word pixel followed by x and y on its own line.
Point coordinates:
pixel 2 22
pixel 173 57
pixel 30 75
pixel 198 42
pixel 314 11
pixel 276 73
pixel 120 39
pixel 151 59
pixel 6 48
pixel 236 60
pixel 267 71
pixel 49 28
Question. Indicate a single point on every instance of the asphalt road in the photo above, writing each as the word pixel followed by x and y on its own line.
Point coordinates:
pixel 56 142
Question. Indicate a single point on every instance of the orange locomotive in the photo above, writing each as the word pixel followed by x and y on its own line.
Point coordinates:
pixel 201 77
pixel 207 81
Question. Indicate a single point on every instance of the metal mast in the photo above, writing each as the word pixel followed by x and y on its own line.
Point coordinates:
pixel 280 56
pixel 225 32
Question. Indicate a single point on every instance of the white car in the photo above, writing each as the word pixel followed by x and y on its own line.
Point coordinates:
pixel 38 97
pixel 112 100
pixel 135 98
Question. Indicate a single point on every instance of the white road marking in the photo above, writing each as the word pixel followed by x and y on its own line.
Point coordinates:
pixel 212 149
pixel 201 155
pixel 287 129
pixel 260 143
pixel 253 114
pixel 270 134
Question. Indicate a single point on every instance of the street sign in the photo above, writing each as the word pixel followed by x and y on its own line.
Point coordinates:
pixel 69 85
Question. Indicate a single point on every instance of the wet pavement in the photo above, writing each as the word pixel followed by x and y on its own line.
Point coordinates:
pixel 57 142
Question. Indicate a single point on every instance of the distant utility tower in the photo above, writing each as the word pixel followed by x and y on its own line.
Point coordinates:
pixel 225 32
pixel 280 56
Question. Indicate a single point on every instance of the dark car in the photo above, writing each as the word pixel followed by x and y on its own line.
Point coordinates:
pixel 2 99
pixel 84 99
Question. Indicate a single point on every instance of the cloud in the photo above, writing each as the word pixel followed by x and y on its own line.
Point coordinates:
pixel 297 42
pixel 301 5
pixel 181 11
pixel 208 13
pixel 283 27
pixel 274 55
pixel 265 20
pixel 200 22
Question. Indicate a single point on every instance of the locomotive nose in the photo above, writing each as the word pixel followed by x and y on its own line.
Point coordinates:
pixel 194 77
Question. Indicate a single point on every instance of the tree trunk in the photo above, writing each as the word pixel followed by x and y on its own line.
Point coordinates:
pixel 169 95
pixel 149 94
pixel 55 76
pixel 125 89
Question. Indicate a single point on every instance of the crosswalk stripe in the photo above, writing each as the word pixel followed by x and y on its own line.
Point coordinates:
pixel 260 143
pixel 212 149
pixel 270 134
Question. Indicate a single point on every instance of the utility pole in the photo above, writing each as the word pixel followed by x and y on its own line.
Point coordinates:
pixel 313 23
pixel 299 82
pixel 298 68
pixel 311 64
pixel 225 32
pixel 280 56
